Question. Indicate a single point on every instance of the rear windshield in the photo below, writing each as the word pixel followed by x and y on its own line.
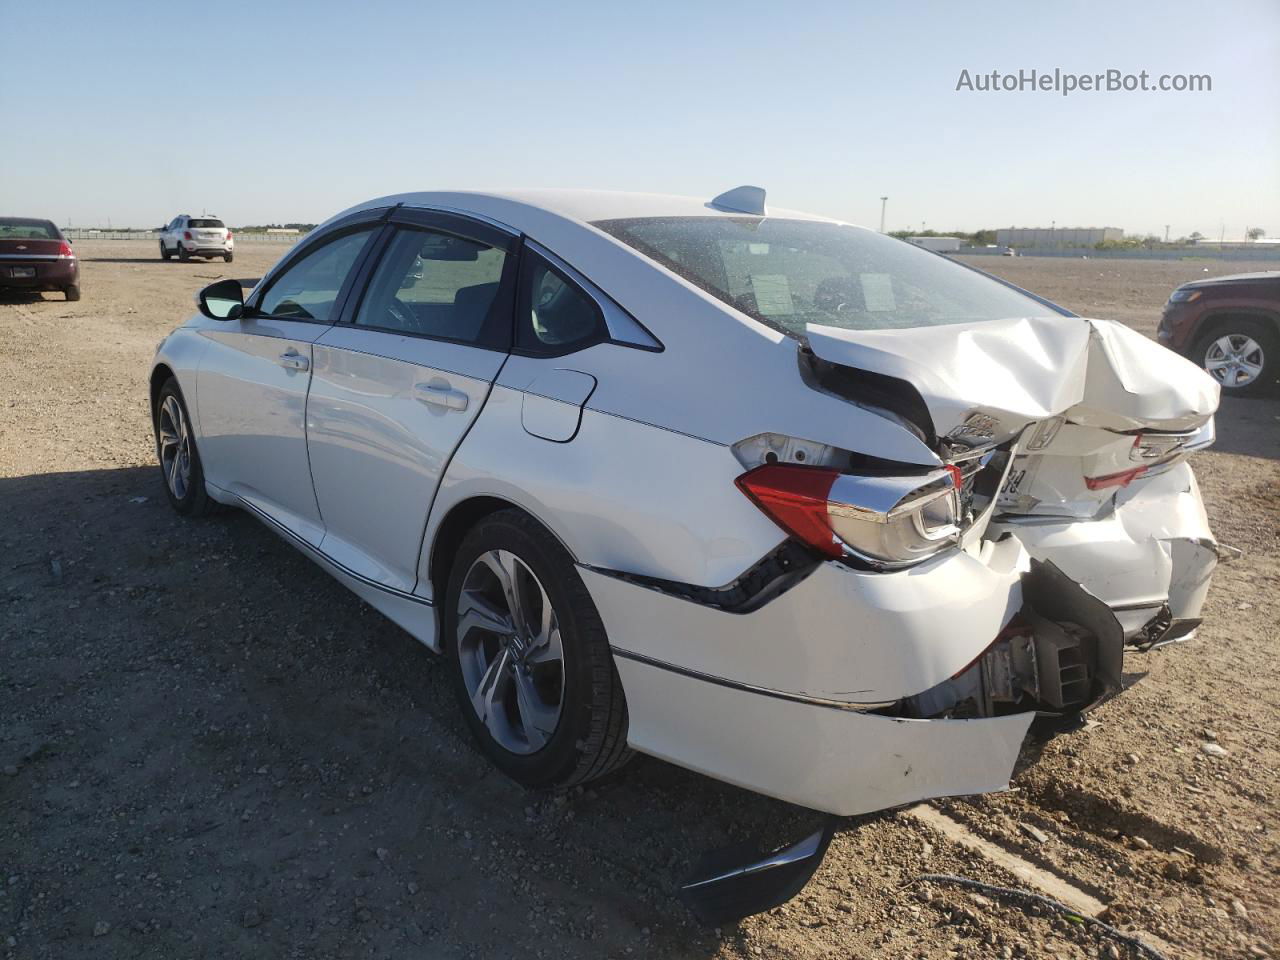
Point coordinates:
pixel 205 222
pixel 788 273
pixel 18 228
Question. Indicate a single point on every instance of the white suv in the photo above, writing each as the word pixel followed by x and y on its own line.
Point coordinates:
pixel 189 236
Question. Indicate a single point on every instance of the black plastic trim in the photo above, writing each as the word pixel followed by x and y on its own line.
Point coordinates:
pixel 770 577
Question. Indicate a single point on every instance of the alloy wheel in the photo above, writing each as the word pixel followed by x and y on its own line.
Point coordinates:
pixel 510 650
pixel 1234 360
pixel 175 447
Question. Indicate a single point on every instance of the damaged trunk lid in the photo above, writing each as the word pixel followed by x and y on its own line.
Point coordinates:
pixel 1084 406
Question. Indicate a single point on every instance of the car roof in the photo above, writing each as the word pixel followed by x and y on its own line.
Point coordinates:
pixel 517 207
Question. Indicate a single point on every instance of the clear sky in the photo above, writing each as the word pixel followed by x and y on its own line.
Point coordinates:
pixel 289 112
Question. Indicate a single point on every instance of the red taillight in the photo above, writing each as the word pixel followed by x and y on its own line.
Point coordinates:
pixel 795 498
pixel 228 234
pixel 1121 479
pixel 64 249
pixel 186 234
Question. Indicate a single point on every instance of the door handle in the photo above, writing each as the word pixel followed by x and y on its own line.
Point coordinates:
pixel 440 395
pixel 293 360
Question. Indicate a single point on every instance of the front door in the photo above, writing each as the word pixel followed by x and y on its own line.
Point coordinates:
pixel 394 391
pixel 251 387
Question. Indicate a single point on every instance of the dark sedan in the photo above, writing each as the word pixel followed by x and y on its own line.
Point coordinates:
pixel 34 255
pixel 1230 326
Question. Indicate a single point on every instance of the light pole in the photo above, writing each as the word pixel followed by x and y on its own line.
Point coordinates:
pixel 883 201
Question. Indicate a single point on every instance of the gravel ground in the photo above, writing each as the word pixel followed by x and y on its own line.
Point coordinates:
pixel 211 750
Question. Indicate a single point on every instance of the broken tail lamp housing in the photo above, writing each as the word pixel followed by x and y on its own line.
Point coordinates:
pixel 885 521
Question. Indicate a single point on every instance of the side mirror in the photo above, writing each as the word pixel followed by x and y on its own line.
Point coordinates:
pixel 223 300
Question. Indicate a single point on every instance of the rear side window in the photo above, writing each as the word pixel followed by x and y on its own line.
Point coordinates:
pixel 13 228
pixel 435 284
pixel 206 223
pixel 309 287
pixel 555 315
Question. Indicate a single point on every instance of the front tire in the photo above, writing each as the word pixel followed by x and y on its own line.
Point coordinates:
pixel 180 466
pixel 1242 354
pixel 529 656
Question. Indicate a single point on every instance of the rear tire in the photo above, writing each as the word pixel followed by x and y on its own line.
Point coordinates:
pixel 180 467
pixel 1234 349
pixel 560 663
pixel 183 254
pixel 72 293
pixel 164 252
pixel 228 257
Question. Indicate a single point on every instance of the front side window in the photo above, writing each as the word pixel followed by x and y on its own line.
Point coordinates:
pixel 308 288
pixel 790 273
pixel 555 315
pixel 436 284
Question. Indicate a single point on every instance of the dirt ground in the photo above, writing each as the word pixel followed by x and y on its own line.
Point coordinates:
pixel 211 750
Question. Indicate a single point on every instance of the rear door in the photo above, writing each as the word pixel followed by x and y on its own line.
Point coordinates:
pixel 253 379
pixel 399 382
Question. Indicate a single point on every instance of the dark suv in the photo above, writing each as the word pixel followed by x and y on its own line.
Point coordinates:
pixel 1230 326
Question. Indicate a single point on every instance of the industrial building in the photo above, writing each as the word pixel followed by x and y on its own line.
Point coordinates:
pixel 1058 236
pixel 939 244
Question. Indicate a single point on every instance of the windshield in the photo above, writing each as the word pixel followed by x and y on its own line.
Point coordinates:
pixel 196 222
pixel 19 228
pixel 788 273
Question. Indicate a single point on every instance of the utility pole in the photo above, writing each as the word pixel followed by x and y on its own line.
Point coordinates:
pixel 1166 233
pixel 883 202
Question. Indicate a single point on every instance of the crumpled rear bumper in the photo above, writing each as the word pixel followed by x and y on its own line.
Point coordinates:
pixel 840 761
pixel 1154 548
pixel 810 698
pixel 777 700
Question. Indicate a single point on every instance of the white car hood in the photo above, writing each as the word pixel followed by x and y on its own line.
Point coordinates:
pixel 997 376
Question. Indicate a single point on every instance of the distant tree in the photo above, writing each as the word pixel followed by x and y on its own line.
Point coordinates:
pixel 981 238
pixel 1197 235
pixel 1255 233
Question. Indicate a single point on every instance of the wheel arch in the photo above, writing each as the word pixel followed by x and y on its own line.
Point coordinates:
pixel 1222 317
pixel 159 374
pixel 453 528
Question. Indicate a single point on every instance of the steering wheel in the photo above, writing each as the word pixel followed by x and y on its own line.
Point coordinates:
pixel 402 317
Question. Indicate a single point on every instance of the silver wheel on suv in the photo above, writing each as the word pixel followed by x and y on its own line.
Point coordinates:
pixel 1235 360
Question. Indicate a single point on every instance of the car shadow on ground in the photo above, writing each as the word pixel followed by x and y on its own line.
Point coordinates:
pixel 238 722
pixel 8 296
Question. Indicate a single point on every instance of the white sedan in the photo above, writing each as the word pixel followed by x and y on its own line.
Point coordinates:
pixel 775 498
